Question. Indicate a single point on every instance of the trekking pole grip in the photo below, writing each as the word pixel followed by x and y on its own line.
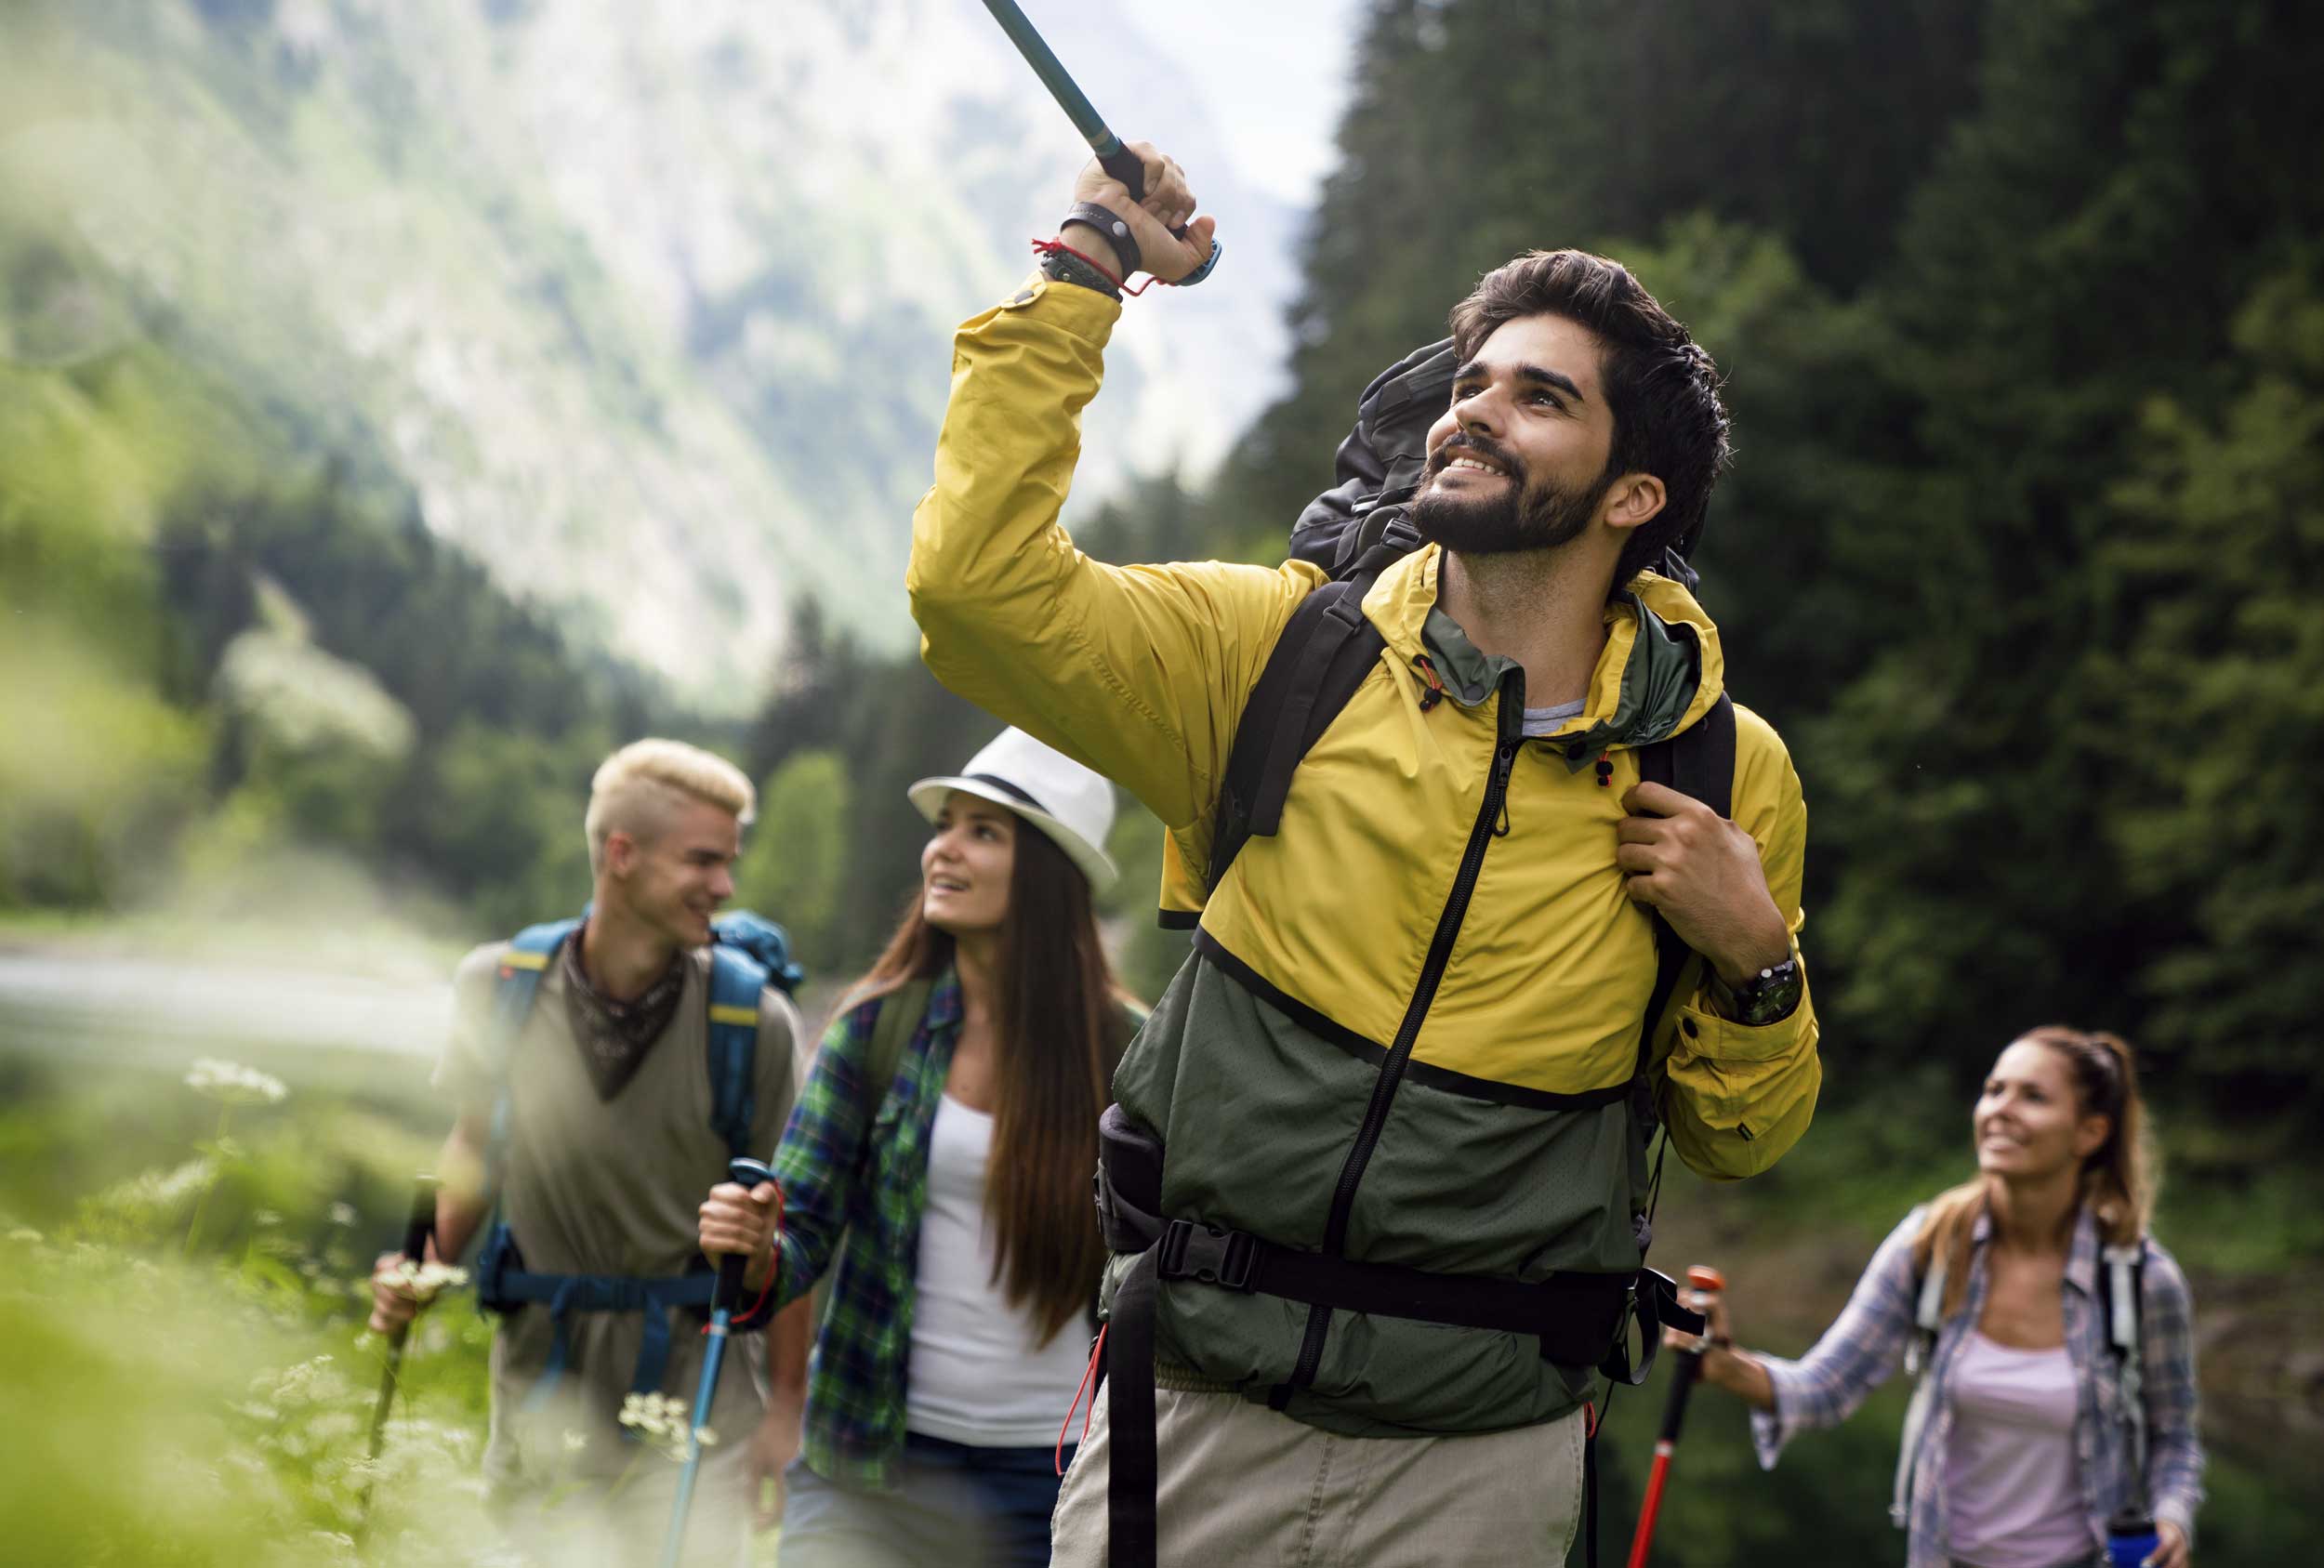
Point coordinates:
pixel 746 1174
pixel 1123 165
pixel 420 1223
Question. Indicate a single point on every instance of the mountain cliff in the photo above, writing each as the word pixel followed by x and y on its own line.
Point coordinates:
pixel 646 305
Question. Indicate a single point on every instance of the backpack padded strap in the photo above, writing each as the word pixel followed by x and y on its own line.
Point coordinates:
pixel 515 983
pixel 735 981
pixel 1324 651
pixel 1698 762
pixel 1132 1474
pixel 899 1014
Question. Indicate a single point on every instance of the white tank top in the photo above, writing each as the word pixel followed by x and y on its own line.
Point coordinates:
pixel 2013 1490
pixel 979 1374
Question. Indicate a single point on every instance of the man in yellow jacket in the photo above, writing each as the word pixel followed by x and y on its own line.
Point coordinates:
pixel 1391 1117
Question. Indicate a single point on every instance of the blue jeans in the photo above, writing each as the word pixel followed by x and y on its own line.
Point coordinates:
pixel 958 1507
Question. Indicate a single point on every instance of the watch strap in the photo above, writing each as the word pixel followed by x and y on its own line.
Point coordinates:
pixel 1766 998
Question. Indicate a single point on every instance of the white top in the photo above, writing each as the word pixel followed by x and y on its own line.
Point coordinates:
pixel 979 1374
pixel 2012 1486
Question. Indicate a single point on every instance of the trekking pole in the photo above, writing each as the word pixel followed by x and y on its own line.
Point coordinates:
pixel 746 1174
pixel 1708 1282
pixel 1113 157
pixel 417 1227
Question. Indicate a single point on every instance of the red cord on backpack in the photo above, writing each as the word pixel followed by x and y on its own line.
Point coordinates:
pixel 1097 1350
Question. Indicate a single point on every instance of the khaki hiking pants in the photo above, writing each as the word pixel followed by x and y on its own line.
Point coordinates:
pixel 1243 1486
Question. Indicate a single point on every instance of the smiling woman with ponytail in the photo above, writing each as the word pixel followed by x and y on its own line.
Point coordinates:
pixel 938 1170
pixel 2029 1436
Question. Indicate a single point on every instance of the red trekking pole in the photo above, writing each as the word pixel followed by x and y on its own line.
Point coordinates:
pixel 1710 1281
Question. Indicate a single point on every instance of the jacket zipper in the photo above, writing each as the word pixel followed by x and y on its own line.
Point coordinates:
pixel 1510 720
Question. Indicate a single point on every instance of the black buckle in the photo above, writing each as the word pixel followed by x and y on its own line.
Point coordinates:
pixel 1206 1253
pixel 1669 1308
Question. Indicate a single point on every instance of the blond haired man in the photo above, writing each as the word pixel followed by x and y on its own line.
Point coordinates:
pixel 601 1079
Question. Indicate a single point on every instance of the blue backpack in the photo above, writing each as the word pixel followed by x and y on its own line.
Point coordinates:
pixel 748 953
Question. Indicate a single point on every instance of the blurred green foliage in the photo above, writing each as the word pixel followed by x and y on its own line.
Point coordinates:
pixel 210 1404
pixel 796 864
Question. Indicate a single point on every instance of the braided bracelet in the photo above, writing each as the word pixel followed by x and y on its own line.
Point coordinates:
pixel 1063 264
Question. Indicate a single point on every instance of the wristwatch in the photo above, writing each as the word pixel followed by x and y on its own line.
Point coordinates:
pixel 1763 998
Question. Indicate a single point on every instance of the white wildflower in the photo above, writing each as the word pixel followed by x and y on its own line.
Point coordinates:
pixel 26 1233
pixel 705 1437
pixel 575 1441
pixel 659 1418
pixel 233 1084
pixel 342 1214
pixel 429 1280
pixel 265 1219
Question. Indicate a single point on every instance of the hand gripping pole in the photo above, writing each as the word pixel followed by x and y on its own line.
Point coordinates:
pixel 1115 158
pixel 1706 1282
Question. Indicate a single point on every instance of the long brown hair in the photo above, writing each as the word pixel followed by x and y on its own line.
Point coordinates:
pixel 1061 1034
pixel 2118 1179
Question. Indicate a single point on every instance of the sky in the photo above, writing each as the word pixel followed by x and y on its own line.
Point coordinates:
pixel 1275 76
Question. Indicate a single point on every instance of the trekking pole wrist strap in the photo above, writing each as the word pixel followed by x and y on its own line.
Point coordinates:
pixel 1117 231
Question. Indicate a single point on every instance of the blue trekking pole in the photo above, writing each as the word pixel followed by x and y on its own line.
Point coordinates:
pixel 746 1174
pixel 1113 157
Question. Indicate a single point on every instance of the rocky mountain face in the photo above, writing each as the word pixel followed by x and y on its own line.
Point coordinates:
pixel 648 304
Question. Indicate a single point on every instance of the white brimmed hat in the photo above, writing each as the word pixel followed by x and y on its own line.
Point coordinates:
pixel 1072 805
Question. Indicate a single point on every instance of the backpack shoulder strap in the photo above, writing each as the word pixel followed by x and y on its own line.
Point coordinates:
pixel 899 1014
pixel 1325 652
pixel 2124 1285
pixel 519 980
pixel 1928 1316
pixel 735 981
pixel 1698 762
pixel 515 983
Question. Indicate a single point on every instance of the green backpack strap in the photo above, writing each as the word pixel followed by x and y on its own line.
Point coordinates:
pixel 899 1014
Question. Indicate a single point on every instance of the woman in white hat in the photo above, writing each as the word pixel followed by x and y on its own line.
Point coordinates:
pixel 938 1168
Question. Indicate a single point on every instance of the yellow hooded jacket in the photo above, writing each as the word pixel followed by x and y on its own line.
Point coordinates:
pixel 1507 1151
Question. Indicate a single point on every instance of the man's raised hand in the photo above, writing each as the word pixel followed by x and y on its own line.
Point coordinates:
pixel 1168 205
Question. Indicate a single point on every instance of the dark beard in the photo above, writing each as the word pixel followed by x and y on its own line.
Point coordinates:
pixel 1524 516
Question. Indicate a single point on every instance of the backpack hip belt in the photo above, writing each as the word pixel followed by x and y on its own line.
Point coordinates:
pixel 503 1284
pixel 1581 1319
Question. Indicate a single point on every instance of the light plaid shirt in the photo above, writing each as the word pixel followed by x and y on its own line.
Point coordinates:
pixel 1860 1350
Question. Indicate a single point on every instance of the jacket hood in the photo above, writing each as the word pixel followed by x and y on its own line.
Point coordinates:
pixel 1660 671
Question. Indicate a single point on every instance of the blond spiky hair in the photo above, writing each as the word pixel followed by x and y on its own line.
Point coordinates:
pixel 635 788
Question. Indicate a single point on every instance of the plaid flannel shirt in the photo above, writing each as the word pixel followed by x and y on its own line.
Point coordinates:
pixel 864 1177
pixel 1860 1350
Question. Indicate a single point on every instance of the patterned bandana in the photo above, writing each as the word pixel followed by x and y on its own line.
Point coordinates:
pixel 613 1035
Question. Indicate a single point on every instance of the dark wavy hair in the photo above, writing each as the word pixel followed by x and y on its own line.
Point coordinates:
pixel 1660 386
pixel 1062 1033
